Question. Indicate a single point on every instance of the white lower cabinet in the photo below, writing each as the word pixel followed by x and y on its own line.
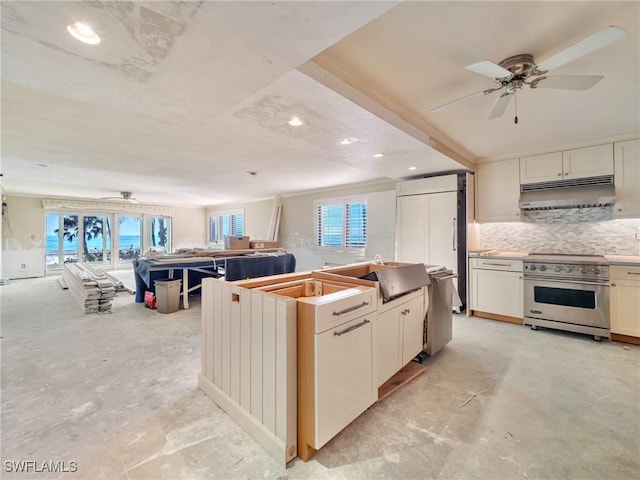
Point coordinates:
pixel 625 300
pixel 344 376
pixel 497 287
pixel 399 336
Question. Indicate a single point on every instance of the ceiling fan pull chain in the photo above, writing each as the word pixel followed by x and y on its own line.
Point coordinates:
pixel 515 98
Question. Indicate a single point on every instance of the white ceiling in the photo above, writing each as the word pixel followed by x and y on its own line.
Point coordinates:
pixel 181 99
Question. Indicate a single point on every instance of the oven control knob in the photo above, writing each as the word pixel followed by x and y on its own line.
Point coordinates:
pixel 557 269
pixel 583 270
pixel 543 268
pixel 532 267
pixel 569 269
pixel 596 270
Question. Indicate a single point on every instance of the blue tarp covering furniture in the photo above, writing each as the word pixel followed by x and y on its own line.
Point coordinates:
pixel 191 270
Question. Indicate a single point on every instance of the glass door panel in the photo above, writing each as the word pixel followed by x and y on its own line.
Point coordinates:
pixel 129 237
pixel 160 233
pixel 96 241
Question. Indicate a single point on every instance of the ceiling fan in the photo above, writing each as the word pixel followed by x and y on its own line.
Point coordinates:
pixel 124 196
pixel 515 72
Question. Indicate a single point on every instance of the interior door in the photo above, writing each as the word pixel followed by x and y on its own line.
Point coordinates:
pixel 442 230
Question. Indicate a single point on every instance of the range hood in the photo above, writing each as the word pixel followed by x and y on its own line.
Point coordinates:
pixel 574 193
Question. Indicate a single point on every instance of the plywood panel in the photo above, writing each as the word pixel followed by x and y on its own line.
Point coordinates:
pixel 269 362
pixel 217 332
pixel 235 344
pixel 207 328
pixel 256 354
pixel 245 349
pixel 281 369
pixel 226 339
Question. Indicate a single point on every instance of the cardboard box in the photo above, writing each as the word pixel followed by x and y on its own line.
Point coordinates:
pixel 236 243
pixel 264 244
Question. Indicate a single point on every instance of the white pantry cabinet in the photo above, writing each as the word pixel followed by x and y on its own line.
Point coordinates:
pixel 498 191
pixel 427 229
pixel 627 179
pixel 497 287
pixel 569 164
pixel 625 300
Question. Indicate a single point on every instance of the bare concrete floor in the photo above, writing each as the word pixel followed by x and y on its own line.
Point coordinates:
pixel 117 393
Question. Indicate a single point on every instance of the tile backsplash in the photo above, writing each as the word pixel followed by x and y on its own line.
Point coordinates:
pixel 573 230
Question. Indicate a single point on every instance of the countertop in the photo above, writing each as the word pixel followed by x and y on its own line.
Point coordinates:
pixel 503 255
pixel 632 260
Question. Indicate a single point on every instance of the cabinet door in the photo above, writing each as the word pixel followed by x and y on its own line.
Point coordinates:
pixel 627 173
pixel 344 376
pixel 411 240
pixel 389 336
pixel 588 162
pixel 497 292
pixel 625 300
pixel 625 308
pixel 442 230
pixel 541 168
pixel 498 191
pixel 412 329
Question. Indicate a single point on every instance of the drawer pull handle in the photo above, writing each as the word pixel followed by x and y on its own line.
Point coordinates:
pixel 633 273
pixel 497 264
pixel 351 328
pixel 350 309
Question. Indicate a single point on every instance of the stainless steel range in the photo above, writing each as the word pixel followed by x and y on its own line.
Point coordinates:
pixel 567 292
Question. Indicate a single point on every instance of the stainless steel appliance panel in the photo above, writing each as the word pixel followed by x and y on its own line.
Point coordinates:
pixel 579 303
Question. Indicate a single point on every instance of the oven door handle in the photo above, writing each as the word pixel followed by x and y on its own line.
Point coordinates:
pixel 555 280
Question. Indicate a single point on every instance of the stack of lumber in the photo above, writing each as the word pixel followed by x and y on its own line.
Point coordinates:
pixel 93 289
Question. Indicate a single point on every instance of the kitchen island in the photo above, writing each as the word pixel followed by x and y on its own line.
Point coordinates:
pixel 295 358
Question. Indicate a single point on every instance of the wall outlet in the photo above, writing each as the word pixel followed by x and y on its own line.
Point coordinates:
pixel 23 266
pixel 637 236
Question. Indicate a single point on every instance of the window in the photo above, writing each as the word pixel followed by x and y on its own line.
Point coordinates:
pixel 91 237
pixel 341 224
pixel 225 224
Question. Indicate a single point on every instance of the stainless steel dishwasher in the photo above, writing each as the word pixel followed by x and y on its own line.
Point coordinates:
pixel 438 329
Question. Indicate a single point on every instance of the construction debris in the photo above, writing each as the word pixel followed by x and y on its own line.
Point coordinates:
pixel 93 289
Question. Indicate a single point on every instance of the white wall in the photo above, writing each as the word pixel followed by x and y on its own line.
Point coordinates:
pixel 297 228
pixel 23 241
pixel 257 216
pixel 189 228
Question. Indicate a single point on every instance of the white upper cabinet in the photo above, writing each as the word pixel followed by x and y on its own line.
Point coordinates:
pixel 498 191
pixel 627 178
pixel 541 168
pixel 588 162
pixel 578 163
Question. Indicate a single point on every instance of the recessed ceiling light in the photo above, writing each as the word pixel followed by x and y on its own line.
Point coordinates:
pixel 84 33
pixel 413 168
pixel 378 155
pixel 295 122
pixel 348 140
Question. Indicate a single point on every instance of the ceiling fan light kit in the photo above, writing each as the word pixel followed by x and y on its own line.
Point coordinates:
pixel 514 72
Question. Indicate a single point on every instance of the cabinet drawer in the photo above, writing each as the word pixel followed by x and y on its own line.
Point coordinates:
pixel 344 306
pixel 624 273
pixel 497 264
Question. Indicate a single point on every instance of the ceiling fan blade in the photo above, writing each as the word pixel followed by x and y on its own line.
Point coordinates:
pixel 570 82
pixel 489 69
pixel 590 44
pixel 462 99
pixel 499 106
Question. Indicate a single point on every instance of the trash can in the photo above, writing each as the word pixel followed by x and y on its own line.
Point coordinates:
pixel 168 295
